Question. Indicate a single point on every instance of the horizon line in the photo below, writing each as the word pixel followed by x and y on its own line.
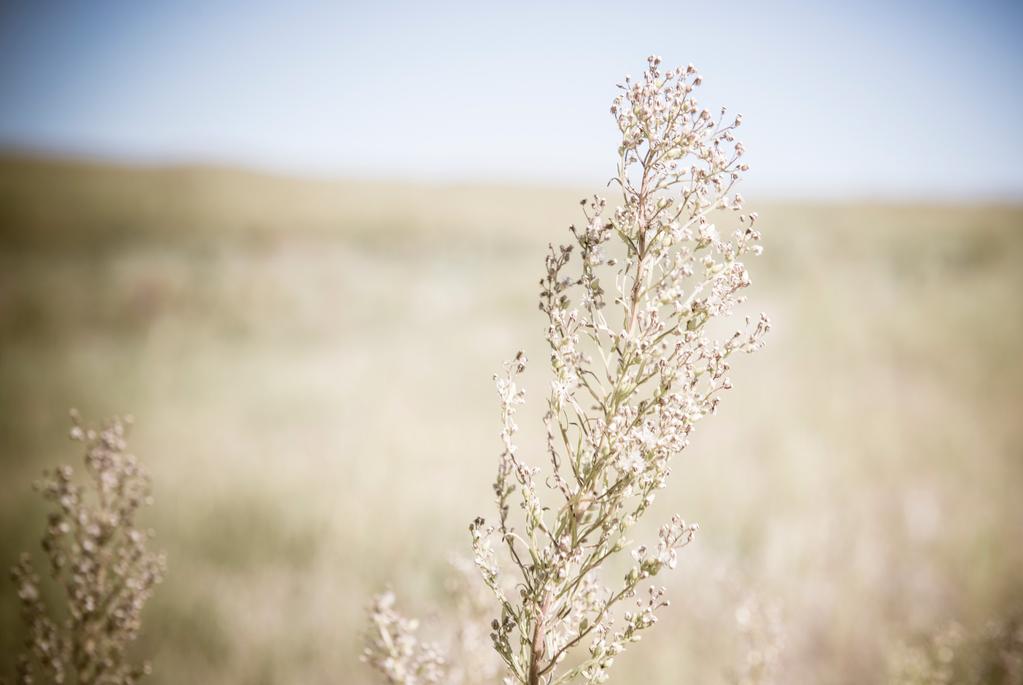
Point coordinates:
pixel 149 163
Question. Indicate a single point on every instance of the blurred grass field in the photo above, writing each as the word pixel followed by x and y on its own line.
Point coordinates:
pixel 309 364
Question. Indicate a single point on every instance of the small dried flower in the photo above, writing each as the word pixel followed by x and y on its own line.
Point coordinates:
pixel 100 560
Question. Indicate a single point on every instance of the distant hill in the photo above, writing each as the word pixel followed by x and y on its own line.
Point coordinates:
pixel 43 198
pixel 51 201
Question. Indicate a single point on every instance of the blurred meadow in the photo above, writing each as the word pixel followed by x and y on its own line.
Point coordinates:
pixel 309 364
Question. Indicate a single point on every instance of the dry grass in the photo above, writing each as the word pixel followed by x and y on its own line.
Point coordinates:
pixel 310 366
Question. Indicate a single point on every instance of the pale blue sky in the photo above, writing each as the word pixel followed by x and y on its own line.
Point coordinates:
pixel 917 98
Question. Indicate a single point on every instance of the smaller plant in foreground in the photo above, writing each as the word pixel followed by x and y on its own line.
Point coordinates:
pixel 460 651
pixel 99 559
pixel 394 649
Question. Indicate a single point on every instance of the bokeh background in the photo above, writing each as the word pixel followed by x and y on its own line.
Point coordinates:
pixel 296 242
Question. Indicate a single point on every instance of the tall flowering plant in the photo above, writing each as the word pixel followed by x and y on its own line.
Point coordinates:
pixel 635 364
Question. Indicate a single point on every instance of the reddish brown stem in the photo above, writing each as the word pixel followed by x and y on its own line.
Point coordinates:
pixel 537 647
